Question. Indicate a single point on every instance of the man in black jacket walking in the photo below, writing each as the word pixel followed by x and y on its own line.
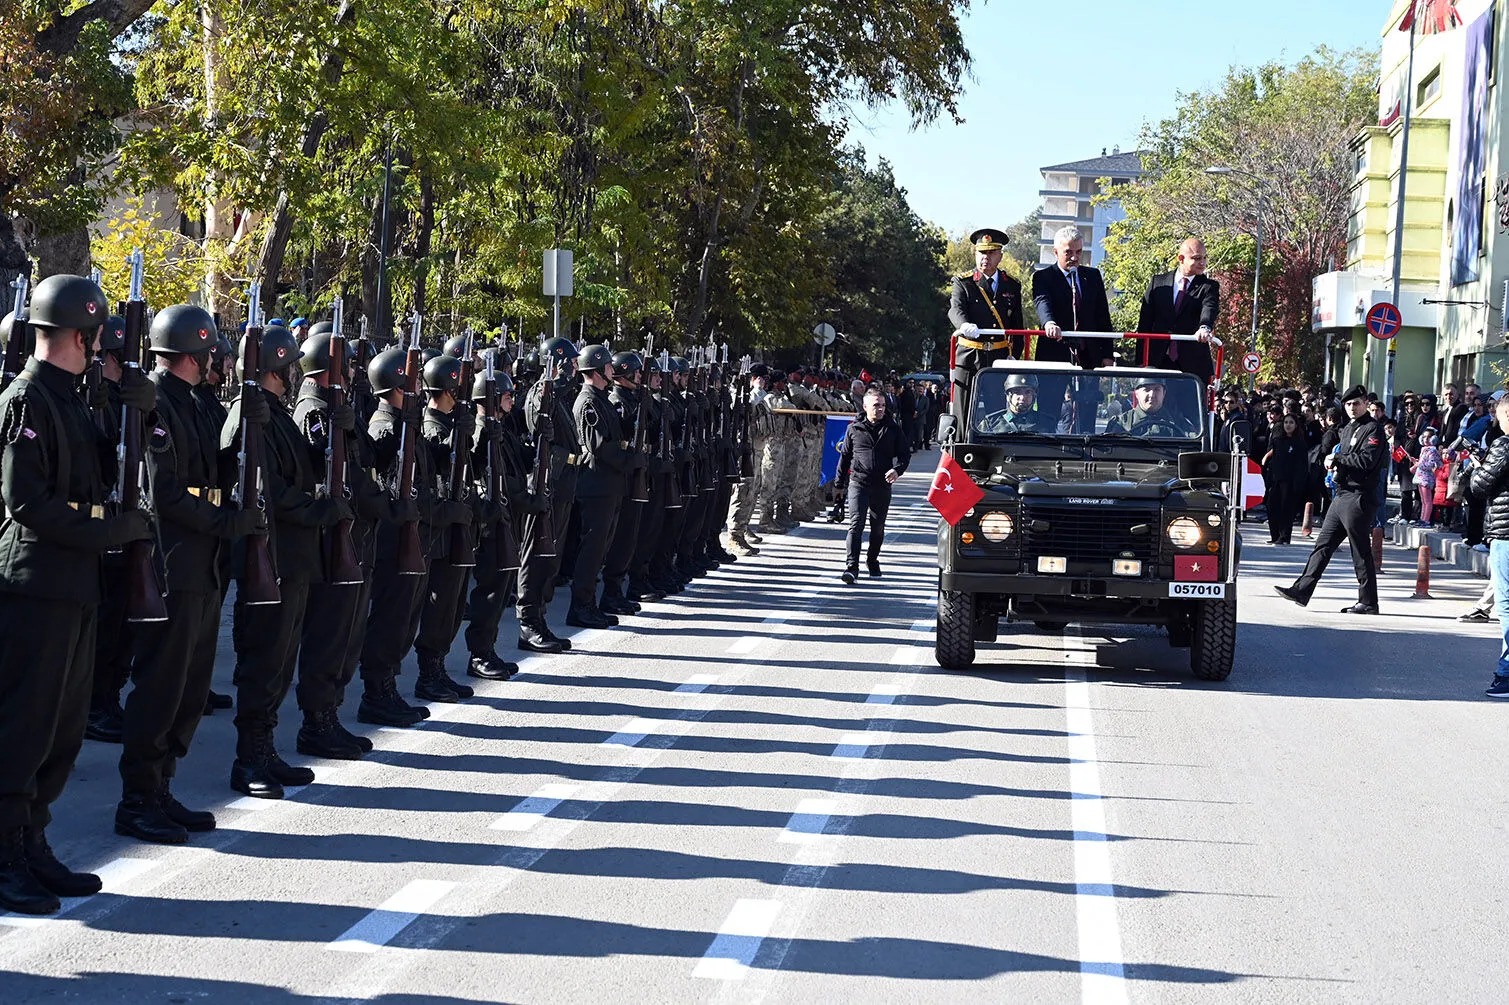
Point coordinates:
pixel 1490 483
pixel 1363 453
pixel 874 453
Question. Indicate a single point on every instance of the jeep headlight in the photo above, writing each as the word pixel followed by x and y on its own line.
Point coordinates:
pixel 996 527
pixel 1184 532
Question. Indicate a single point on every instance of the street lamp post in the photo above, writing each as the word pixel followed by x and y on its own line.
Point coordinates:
pixel 1257 265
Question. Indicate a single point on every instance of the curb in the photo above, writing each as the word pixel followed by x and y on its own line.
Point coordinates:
pixel 1444 547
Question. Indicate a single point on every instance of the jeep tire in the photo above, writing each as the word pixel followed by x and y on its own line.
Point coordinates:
pixel 1213 638
pixel 954 641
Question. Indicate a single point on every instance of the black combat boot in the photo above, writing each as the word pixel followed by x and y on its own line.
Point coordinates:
pixel 51 873
pixel 107 721
pixel 332 714
pixel 321 736
pixel 534 637
pixel 587 617
pixel 490 667
pixel 20 890
pixel 287 774
pixel 193 821
pixel 382 705
pixel 141 815
pixel 251 771
pixel 433 683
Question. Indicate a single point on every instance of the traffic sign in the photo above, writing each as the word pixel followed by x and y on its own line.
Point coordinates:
pixel 1251 362
pixel 1384 321
pixel 824 334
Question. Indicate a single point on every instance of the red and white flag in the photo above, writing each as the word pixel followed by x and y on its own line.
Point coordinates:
pixel 1253 489
pixel 1195 568
pixel 1435 16
pixel 953 492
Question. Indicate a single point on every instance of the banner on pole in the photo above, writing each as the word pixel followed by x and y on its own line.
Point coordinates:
pixel 834 429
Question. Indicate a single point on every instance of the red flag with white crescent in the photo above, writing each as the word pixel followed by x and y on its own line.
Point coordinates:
pixel 953 492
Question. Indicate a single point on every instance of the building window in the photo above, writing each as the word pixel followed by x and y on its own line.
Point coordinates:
pixel 1360 165
pixel 1429 88
pixel 1121 181
pixel 1087 186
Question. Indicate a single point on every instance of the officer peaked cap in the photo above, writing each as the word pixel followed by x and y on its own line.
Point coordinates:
pixel 989 239
pixel 1357 392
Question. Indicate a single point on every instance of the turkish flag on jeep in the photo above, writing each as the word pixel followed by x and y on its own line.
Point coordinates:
pixel 953 492
pixel 1195 568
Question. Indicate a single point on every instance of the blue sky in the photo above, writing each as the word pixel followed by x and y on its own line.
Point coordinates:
pixel 1026 107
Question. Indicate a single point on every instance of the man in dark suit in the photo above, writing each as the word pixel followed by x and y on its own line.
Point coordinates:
pixel 1182 302
pixel 1071 297
pixel 987 297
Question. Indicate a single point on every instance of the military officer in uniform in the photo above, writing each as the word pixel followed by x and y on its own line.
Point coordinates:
pixel 1150 415
pixel 987 298
pixel 176 658
pixel 54 466
pixel 747 490
pixel 498 454
pixel 1019 415
pixel 625 396
pixel 537 572
pixel 602 482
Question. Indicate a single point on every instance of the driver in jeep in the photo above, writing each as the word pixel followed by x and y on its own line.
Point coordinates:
pixel 1148 416
pixel 1018 416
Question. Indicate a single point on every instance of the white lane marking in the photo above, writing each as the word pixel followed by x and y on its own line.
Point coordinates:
pixel 1102 974
pixel 747 644
pixel 907 656
pixel 805 595
pixel 738 940
pixel 775 619
pixel 113 875
pixel 587 637
pixel 923 626
pixel 859 744
pixel 395 914
pixel 884 694
pixel 697 683
pixel 534 809
pixel 808 822
pixel 633 732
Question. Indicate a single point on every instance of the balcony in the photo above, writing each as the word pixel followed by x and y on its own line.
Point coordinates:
pixel 1061 193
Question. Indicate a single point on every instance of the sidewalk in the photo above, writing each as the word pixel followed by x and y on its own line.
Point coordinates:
pixel 1445 548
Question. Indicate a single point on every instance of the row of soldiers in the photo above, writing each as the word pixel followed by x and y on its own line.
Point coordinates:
pixel 362 511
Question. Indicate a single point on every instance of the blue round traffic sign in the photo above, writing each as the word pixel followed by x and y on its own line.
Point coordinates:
pixel 1384 321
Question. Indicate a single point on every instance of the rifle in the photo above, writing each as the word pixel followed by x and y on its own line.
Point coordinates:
pixel 544 524
pixel 663 454
pixel 410 552
pixel 639 489
pixel 684 449
pixel 20 333
pixel 339 552
pixel 746 446
pixel 259 582
pixel 144 580
pixel 495 487
pixel 94 372
pixel 462 554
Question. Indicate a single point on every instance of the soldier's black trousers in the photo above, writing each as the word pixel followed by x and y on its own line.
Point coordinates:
pixel 873 501
pixel 392 621
pixel 46 667
pixel 535 571
pixel 266 638
pixel 1350 518
pixel 113 636
pixel 625 542
pixel 172 676
pixel 441 616
pixel 326 662
pixel 696 509
pixel 491 593
pixel 599 519
pixel 651 521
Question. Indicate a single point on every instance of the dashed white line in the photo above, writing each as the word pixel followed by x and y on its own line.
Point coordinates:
pixel 907 656
pixel 738 940
pixel 395 914
pixel 537 807
pixel 633 732
pixel 1102 973
pixel 697 683
pixel 884 694
pixel 775 619
pixel 859 744
pixel 747 644
pixel 808 822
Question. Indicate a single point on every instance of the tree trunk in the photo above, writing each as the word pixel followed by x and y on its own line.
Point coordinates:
pixel 13 262
pixel 423 240
pixel 698 313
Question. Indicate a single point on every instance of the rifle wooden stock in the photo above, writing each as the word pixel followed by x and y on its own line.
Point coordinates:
pixel 544 524
pixel 669 489
pixel 144 583
pixel 639 487
pixel 410 549
pixel 342 567
pixel 746 445
pixel 497 487
pixel 463 555
pixel 259 576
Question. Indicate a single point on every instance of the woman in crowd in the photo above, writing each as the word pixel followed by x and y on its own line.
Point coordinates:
pixel 1286 467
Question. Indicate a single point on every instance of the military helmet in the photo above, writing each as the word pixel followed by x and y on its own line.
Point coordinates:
pixel 680 364
pixel 182 328
pixel 1150 380
pixel 456 346
pixel 1022 380
pixel 279 349
pixel 316 350
pixel 430 352
pixel 221 350
pixel 323 328
pixel 385 372
pixel 479 384
pixel 64 301
pixel 558 349
pixel 594 357
pixel 443 373
pixel 628 363
pixel 759 370
pixel 113 335
pixel 6 324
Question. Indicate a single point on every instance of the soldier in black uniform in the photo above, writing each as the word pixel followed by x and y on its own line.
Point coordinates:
pixel 724 466
pixel 439 617
pixel 537 572
pixel 653 513
pixel 176 657
pixel 602 482
pixel 625 396
pixel 207 395
pixel 1364 451
pixel 54 466
pixel 336 614
pixel 987 298
pixel 267 636
pixel 666 576
pixel 498 465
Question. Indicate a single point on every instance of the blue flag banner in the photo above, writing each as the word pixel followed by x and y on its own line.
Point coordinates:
pixel 833 435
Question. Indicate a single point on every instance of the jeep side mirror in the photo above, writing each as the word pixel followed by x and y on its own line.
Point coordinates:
pixel 947 427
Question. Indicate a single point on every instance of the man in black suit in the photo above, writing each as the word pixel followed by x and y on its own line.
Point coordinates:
pixel 1182 302
pixel 987 297
pixel 1071 297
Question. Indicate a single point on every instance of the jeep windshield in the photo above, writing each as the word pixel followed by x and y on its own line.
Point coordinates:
pixel 1114 404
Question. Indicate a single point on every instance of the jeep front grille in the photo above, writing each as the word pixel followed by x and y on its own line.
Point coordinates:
pixel 1083 533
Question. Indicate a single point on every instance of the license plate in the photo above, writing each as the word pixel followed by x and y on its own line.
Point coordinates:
pixel 1197 591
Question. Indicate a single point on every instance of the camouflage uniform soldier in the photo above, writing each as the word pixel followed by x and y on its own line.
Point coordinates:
pixel 747 491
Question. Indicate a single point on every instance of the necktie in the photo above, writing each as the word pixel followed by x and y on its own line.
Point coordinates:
pixel 1173 347
pixel 993 288
pixel 1074 296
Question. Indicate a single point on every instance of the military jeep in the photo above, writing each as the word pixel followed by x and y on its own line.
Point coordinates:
pixel 1103 504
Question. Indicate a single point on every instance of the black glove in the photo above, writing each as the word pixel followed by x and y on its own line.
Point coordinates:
pixel 99 396
pixel 492 511
pixel 466 423
pixel 246 523
pixel 360 384
pixel 137 391
pixel 329 512
pixel 492 431
pixel 538 503
pixel 343 416
pixel 544 429
pixel 123 528
pixel 254 409
pixel 405 511
pixel 412 411
pixel 449 511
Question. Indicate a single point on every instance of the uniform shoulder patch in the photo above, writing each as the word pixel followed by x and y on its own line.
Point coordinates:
pixel 161 440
